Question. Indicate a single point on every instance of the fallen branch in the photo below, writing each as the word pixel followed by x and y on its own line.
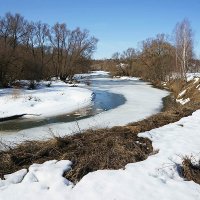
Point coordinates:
pixel 15 117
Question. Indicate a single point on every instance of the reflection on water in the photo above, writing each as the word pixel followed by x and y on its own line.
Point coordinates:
pixel 101 102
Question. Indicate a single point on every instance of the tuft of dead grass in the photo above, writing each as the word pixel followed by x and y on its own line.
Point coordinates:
pixel 169 116
pixel 189 170
pixel 176 86
pixel 191 89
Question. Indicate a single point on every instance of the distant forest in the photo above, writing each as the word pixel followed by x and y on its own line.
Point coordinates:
pixel 35 50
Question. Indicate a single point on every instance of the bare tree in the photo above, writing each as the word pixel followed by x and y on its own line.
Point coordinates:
pixel 184 45
pixel 157 58
pixel 37 46
pixel 80 50
pixel 12 31
pixel 71 50
pixel 129 57
pixel 34 51
pixel 116 56
pixel 58 38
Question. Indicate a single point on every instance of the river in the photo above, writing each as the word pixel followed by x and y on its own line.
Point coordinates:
pixel 116 101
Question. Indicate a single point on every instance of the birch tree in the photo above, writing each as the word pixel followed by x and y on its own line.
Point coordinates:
pixel 184 46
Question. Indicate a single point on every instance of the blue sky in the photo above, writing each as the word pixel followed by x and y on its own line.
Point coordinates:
pixel 118 24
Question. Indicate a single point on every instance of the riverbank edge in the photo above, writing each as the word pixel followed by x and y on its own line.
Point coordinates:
pixel 106 145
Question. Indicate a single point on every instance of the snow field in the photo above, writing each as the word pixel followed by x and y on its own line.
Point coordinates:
pixel 41 181
pixel 45 101
pixel 153 179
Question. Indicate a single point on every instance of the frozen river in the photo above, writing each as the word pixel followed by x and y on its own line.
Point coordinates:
pixel 116 101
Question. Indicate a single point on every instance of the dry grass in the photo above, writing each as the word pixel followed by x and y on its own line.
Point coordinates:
pixel 176 86
pixel 16 93
pixel 191 89
pixel 94 149
pixel 189 170
pixel 90 151
pixel 171 115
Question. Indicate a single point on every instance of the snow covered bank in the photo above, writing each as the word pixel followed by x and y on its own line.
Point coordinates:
pixel 190 91
pixel 92 74
pixel 45 101
pixel 153 179
pixel 41 181
pixel 191 76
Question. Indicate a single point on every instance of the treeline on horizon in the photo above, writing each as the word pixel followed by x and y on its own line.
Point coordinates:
pixel 159 59
pixel 37 51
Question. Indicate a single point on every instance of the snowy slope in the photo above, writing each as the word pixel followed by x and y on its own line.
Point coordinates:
pixel 154 179
pixel 42 182
pixel 45 101
pixel 191 76
pixel 190 92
